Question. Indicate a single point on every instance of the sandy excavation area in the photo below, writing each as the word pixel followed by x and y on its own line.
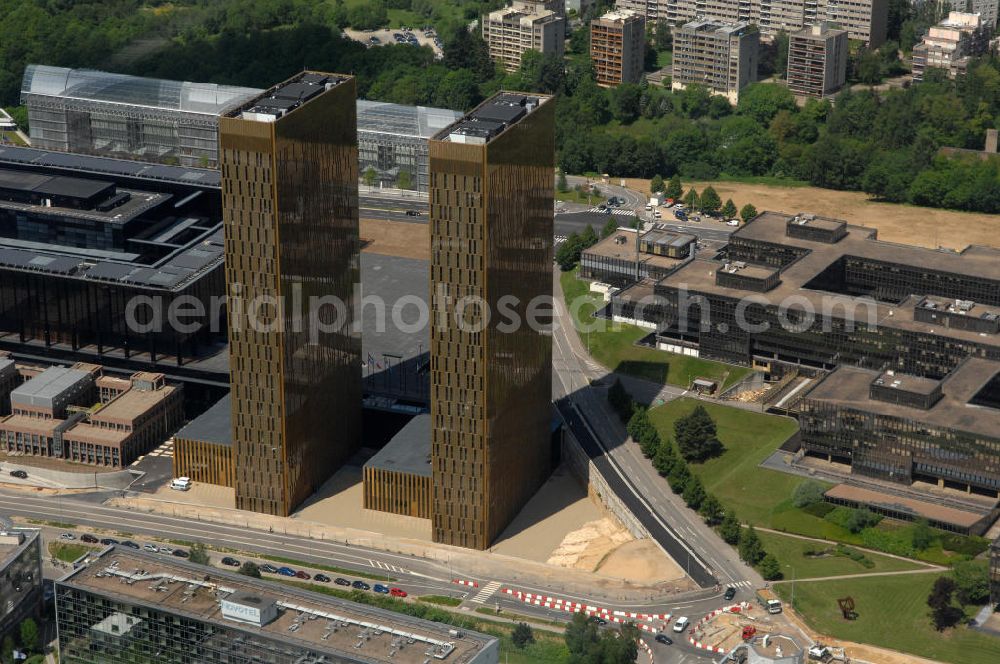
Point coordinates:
pixel 907 224
pixel 396 238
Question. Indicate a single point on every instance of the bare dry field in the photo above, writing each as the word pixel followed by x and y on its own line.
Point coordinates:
pixel 396 238
pixel 907 224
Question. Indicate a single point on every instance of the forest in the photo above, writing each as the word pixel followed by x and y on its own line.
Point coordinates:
pixel 883 143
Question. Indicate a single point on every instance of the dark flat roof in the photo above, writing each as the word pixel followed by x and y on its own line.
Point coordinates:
pixel 493 116
pixel 52 185
pixel 849 387
pixel 214 426
pixel 409 451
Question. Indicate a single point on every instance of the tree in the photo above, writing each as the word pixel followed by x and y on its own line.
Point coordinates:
pixel 368 16
pixel 198 554
pixel 922 535
pixel 944 613
pixel 694 493
pixel 369 176
pixel 808 493
pixel 750 549
pixel 710 201
pixel 656 185
pixel 580 636
pixel 729 529
pixel 762 101
pixel 972 581
pixel 679 476
pixel 609 228
pixel 589 237
pixel 861 518
pixel 250 569
pixel 568 253
pixel 769 568
pixel 674 188
pixel 625 102
pixel 29 635
pixel 748 212
pixel 561 183
pixel 459 90
pixel 781 54
pixel 729 209
pixel 711 509
pixel 404 180
pixel 522 635
pixel 466 49
pixel 695 434
pixel 662 38
pixel 691 199
pixel 7 649
pixel 665 458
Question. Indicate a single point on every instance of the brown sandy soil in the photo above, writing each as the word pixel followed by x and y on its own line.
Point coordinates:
pixel 641 561
pixel 585 547
pixel 396 238
pixel 906 224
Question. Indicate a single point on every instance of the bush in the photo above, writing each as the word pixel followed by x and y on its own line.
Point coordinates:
pixel 820 509
pixel 853 519
pixel 854 555
pixel 808 494
pixel 896 542
pixel 969 546
pixel 522 635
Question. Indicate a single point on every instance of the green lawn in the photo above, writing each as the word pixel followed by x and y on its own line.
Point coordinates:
pixel 574 196
pixel 614 345
pixel 892 612
pixel 444 10
pixel 759 496
pixel 789 550
pixel 440 600
pixel 664 58
pixel 68 552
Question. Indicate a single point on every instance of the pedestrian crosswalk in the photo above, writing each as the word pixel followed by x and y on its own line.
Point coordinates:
pixel 486 592
pixel 740 584
pixel 378 564
pixel 164 450
pixel 623 213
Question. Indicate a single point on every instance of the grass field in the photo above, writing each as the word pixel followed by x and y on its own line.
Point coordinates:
pixel 892 612
pixel 664 58
pixel 789 551
pixel 68 552
pixel 440 600
pixel 908 224
pixel 614 347
pixel 445 9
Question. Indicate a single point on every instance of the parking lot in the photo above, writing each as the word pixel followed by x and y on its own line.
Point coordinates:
pixel 415 36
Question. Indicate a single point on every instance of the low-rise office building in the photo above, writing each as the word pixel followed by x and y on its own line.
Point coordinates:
pixel 951 44
pixel 125 605
pixel 20 575
pixel 77 414
pixel 817 60
pixel 203 449
pixel 398 478
pixel 620 260
pixel 618 47
pixel 525 25
pixel 722 57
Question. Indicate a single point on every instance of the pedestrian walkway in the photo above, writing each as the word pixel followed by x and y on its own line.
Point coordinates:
pixel 486 592
pixel 164 450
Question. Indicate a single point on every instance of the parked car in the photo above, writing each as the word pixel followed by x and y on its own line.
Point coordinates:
pixel 152 548
pixel 730 593
pixel 681 624
pixel 322 578
pixel 733 222
pixel 166 550
pixel 130 544
pixel 305 576
pixel 397 36
pixel 19 474
pixel 231 562
pixel 599 621
pixel 67 536
pixel 379 588
pixel 656 213
pixel 88 538
pixel 107 541
pixel 413 213
pixel 341 581
pixel 695 218
pixel 286 571
pixel 181 553
pixel 664 639
pixel 375 40
pixel 268 569
pixel 397 592
pixel 361 585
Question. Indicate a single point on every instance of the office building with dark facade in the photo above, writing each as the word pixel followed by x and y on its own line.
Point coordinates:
pixel 83 237
pixel 127 606
pixel 290 204
pixel 491 223
pixel 20 575
pixel 619 260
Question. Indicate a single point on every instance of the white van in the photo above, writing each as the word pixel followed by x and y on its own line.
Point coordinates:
pixel 681 624
pixel 181 483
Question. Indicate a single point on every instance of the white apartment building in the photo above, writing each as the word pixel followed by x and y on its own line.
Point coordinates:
pixel 950 44
pixel 721 56
pixel 524 26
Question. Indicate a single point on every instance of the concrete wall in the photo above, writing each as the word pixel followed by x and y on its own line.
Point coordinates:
pixel 61 479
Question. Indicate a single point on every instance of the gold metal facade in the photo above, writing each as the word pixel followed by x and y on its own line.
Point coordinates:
pixel 397 493
pixel 203 461
pixel 290 200
pixel 491 222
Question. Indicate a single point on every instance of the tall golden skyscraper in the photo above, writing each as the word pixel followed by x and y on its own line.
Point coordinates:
pixel 491 206
pixel 290 199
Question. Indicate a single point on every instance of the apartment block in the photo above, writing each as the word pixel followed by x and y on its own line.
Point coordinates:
pixel 290 207
pixel 988 10
pixel 950 44
pixel 491 226
pixel 720 56
pixel 864 20
pixel 817 60
pixel 523 26
pixel 617 47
